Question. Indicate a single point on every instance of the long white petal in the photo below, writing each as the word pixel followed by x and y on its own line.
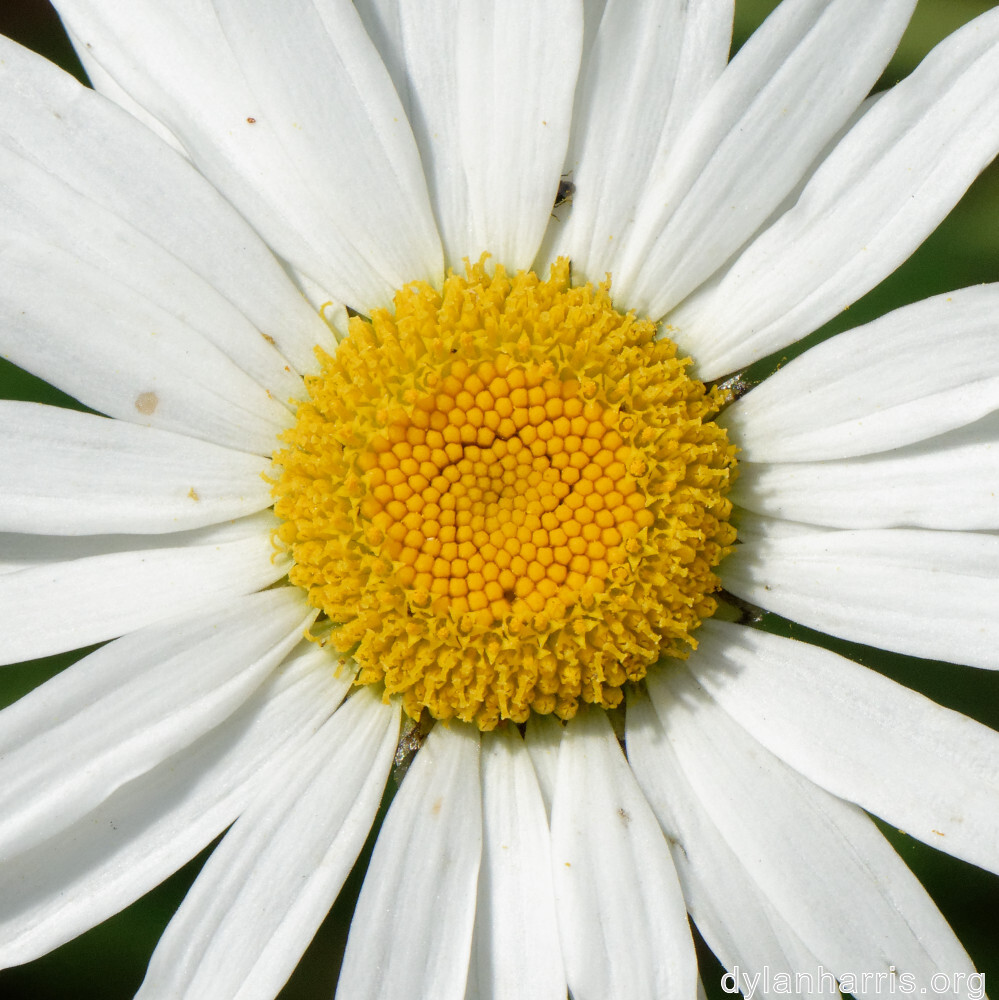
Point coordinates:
pixel 491 89
pixel 884 189
pixel 427 855
pixel 20 551
pixel 329 175
pixel 79 327
pixel 158 822
pixel 543 736
pixel 53 606
pixel 154 234
pixel 927 593
pixel 71 473
pixel 949 481
pixel 105 85
pixel 912 374
pixel 72 742
pixel 925 769
pixel 382 19
pixel 621 915
pixel 820 861
pixel 628 113
pixel 759 528
pixel 515 949
pixel 267 887
pixel 740 926
pixel 102 170
pixel 780 100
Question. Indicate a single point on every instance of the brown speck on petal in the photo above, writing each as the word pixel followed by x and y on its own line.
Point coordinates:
pixel 146 402
pixel 193 494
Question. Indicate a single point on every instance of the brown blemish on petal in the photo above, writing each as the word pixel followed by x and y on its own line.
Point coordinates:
pixel 193 494
pixel 268 338
pixel 146 403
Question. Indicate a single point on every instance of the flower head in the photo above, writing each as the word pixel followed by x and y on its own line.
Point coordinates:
pixel 416 324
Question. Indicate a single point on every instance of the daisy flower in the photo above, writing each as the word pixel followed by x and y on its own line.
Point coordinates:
pixel 408 332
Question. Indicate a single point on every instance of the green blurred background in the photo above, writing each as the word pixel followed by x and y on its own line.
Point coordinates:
pixel 108 962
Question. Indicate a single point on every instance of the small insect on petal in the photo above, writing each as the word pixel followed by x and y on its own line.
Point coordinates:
pixel 566 189
pixel 563 196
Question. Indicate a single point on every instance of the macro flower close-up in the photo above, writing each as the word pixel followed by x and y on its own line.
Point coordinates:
pixel 435 466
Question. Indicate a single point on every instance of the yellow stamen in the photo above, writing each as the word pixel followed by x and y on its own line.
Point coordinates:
pixel 506 497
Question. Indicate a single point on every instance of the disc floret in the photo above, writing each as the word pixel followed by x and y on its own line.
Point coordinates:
pixel 506 497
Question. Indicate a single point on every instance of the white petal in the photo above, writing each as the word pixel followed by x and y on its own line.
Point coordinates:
pixel 153 825
pixel 329 175
pixel 593 12
pixel 20 551
pixel 925 769
pixel 820 861
pixel 791 198
pixel 71 473
pixel 543 736
pixel 382 20
pixel 72 742
pixel 648 69
pixel 84 176
pixel 780 100
pixel 267 887
pixel 333 313
pixel 427 854
pixel 926 593
pixel 912 374
pixel 884 189
pixel 515 950
pixel 949 481
pixel 621 916
pixel 105 344
pixel 736 921
pixel 759 528
pixel 53 606
pixel 106 86
pixel 491 89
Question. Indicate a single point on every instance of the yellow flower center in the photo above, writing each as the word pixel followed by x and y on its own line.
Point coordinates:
pixel 506 497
